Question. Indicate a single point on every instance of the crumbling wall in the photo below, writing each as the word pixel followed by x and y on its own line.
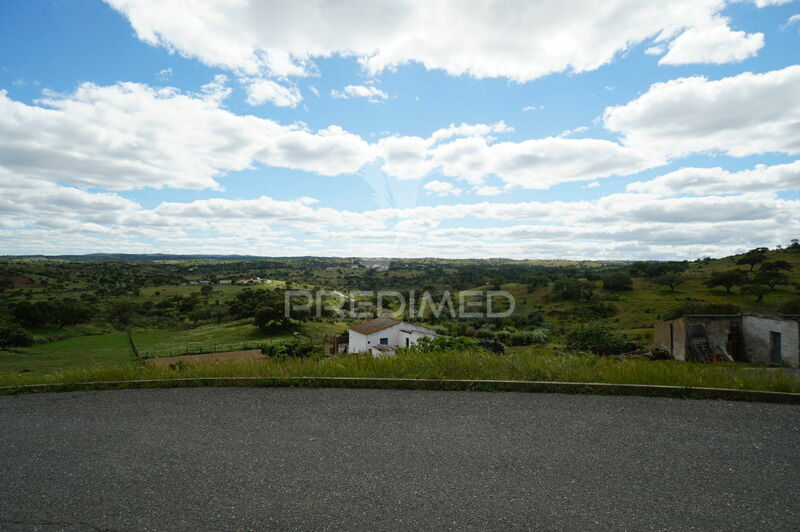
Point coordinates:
pixel 756 332
pixel 662 335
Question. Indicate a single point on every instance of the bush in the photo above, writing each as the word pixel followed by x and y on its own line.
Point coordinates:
pixel 618 281
pixel 439 344
pixel 15 336
pixel 696 306
pixel 598 339
pixel 536 336
pixel 791 307
pixel 297 348
pixel 492 345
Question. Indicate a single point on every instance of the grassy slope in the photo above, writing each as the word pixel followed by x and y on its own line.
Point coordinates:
pixel 640 308
pixel 80 351
pixel 226 336
pixel 113 348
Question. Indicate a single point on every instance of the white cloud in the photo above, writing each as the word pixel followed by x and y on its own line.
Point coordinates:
pixel 538 163
pixel 740 115
pixel 164 74
pixel 699 181
pixel 765 3
pixel 128 136
pixel 568 132
pixel 495 39
pixel 260 91
pixel 406 157
pixel 441 188
pixel 713 43
pixel 530 108
pixel 794 19
pixel 369 92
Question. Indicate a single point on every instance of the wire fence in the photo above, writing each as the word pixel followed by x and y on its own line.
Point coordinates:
pixel 200 348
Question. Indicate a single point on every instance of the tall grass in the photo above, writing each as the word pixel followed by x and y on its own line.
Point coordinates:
pixel 526 365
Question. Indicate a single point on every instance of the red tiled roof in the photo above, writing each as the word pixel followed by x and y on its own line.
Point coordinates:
pixel 378 324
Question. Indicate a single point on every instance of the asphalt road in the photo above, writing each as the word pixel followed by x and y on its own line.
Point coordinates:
pixel 239 458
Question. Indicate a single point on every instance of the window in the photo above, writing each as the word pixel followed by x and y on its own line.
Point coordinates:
pixel 384 341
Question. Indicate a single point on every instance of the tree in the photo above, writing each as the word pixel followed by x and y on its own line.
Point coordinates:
pixel 771 278
pixel 753 257
pixel 206 290
pixel 618 281
pixel 775 266
pixel 15 336
pixel 5 284
pixel 757 290
pixel 727 279
pixel 670 280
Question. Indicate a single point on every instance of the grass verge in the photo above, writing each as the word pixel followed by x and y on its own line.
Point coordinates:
pixel 530 365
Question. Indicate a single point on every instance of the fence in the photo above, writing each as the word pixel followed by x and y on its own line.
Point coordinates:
pixel 197 348
pixel 133 347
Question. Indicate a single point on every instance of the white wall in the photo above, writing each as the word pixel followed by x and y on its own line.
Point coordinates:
pixel 357 342
pixel 756 329
pixel 360 343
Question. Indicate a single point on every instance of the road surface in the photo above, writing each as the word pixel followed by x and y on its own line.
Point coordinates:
pixel 276 458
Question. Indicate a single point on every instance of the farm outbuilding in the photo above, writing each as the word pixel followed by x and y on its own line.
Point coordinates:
pixel 750 338
pixel 383 335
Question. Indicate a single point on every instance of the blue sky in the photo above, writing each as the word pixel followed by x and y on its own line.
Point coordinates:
pixel 639 130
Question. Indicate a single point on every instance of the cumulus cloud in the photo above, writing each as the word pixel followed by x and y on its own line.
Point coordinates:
pixel 740 115
pixel 538 163
pixel 625 225
pixel 490 39
pixel 441 188
pixel 713 43
pixel 368 92
pixel 261 91
pixel 700 181
pixel 128 136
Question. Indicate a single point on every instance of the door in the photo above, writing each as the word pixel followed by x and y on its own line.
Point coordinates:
pixel 775 348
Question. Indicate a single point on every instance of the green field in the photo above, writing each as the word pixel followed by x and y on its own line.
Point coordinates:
pixel 226 336
pixel 76 352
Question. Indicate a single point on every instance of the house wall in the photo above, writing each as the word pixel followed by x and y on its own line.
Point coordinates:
pixel 663 335
pixel 363 342
pixel 397 334
pixel 756 332
pixel 357 342
pixel 679 339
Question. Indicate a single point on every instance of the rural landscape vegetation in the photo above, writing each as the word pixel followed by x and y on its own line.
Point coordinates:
pixel 109 317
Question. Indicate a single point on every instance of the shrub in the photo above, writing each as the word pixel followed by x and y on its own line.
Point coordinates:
pixel 791 307
pixel 15 336
pixel 596 338
pixel 696 306
pixel 536 336
pixel 484 333
pixel 439 344
pixel 297 348
pixel 492 345
pixel 618 281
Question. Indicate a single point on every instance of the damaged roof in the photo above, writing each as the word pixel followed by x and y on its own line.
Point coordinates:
pixel 378 324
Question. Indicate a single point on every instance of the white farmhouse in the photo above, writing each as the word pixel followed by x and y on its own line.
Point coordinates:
pixel 382 336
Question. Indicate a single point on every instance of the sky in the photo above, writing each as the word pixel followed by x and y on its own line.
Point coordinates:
pixel 623 129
